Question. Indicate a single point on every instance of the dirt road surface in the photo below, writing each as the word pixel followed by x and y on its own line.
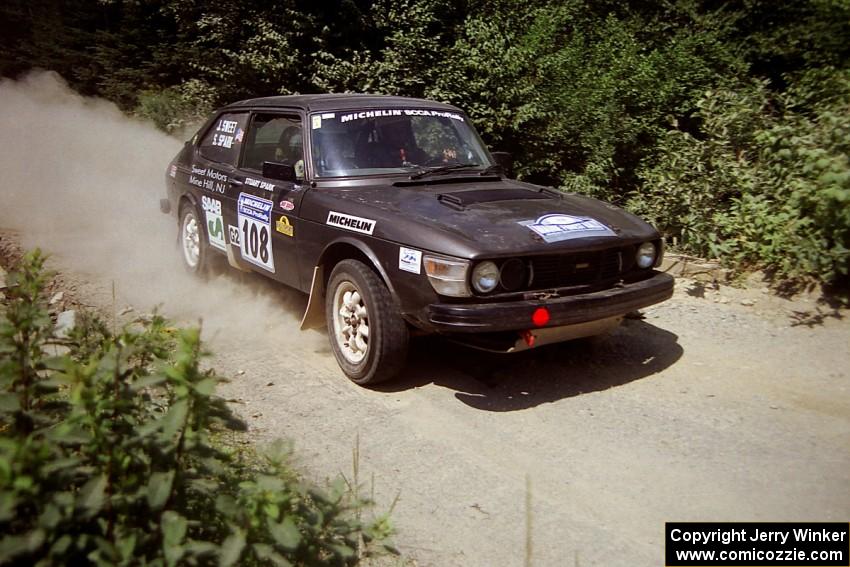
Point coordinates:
pixel 703 411
pixel 720 405
pixel 700 412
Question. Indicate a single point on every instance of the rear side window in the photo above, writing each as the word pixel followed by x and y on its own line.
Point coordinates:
pixel 223 142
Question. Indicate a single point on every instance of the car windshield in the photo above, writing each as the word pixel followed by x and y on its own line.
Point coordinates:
pixel 395 140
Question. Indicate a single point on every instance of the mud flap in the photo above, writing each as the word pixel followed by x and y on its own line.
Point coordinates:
pixel 314 316
pixel 231 258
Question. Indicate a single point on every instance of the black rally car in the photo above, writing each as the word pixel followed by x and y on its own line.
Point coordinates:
pixel 392 214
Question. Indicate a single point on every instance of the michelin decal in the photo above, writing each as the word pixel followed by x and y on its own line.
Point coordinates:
pixel 350 222
pixel 558 227
pixel 395 112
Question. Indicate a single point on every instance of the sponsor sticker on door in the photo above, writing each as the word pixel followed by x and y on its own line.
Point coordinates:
pixel 215 222
pixel 283 226
pixel 255 225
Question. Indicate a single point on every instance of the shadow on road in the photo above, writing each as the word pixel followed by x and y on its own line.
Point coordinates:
pixel 510 382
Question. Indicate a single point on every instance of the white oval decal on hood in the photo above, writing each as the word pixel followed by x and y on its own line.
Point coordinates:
pixel 558 227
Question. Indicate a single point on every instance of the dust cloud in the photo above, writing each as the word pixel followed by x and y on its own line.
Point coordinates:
pixel 83 181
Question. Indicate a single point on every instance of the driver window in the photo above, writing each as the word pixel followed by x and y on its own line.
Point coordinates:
pixel 273 137
pixel 440 140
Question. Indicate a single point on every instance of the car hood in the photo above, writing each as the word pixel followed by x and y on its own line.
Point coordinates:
pixel 472 218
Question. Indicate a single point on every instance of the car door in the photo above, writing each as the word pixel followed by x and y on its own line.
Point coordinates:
pixel 211 175
pixel 267 208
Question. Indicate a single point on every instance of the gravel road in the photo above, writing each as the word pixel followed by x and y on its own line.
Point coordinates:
pixel 702 411
pixel 706 410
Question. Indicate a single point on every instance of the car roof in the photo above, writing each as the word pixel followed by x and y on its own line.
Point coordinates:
pixel 340 101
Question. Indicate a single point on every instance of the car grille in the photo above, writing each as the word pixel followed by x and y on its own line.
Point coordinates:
pixel 585 268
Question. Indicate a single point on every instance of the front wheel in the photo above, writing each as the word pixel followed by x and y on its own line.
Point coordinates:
pixel 368 336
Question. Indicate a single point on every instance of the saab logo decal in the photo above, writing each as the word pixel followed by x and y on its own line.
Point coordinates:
pixel 350 222
pixel 215 222
pixel 409 260
pixel 233 232
pixel 557 227
pixel 255 225
pixel 282 226
pixel 287 205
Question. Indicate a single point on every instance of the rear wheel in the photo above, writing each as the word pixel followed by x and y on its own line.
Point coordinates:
pixel 193 243
pixel 368 336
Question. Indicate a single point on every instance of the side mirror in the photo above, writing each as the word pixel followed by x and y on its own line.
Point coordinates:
pixel 278 170
pixel 503 159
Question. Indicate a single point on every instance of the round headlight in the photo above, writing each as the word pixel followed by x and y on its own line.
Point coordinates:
pixel 645 256
pixel 485 277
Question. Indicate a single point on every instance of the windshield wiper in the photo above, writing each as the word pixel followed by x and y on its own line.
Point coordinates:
pixel 442 169
pixel 495 168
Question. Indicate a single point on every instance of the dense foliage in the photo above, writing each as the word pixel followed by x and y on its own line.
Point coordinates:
pixel 767 182
pixel 610 98
pixel 106 455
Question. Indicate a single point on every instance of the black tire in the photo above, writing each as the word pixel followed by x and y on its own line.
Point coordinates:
pixel 189 214
pixel 387 338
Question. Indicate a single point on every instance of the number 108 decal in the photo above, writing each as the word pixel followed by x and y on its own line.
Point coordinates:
pixel 255 221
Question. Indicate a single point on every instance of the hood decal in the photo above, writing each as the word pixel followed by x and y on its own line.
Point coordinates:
pixel 559 227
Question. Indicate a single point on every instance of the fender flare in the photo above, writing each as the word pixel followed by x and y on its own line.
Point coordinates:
pixel 314 316
pixel 188 196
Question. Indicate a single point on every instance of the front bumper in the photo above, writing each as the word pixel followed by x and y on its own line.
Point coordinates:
pixel 566 310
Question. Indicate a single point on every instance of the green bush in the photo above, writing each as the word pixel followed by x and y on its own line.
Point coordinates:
pixel 175 109
pixel 766 185
pixel 106 455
